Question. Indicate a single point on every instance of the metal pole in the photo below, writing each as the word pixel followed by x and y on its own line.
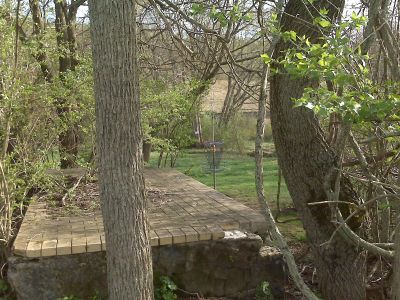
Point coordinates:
pixel 215 179
pixel 213 140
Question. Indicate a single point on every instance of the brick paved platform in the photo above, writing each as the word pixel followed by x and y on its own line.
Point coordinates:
pixel 192 212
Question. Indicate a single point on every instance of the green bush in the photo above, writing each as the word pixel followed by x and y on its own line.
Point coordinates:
pixel 165 289
pixel 263 292
pixel 3 287
pixel 237 134
pixel 167 113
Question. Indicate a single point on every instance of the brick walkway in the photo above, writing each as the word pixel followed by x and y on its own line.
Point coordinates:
pixel 191 213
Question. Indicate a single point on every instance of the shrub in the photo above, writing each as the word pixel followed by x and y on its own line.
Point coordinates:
pixel 237 134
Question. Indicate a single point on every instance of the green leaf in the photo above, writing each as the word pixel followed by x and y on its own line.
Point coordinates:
pixel 299 55
pixel 247 17
pixel 198 9
pixel 289 35
pixel 315 48
pixel 266 59
pixel 322 63
pixel 323 11
pixel 324 23
pixel 354 16
pixel 273 71
pixel 293 35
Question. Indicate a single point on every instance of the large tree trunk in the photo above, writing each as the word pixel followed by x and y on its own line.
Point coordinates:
pixel 305 159
pixel 124 208
pixel 396 268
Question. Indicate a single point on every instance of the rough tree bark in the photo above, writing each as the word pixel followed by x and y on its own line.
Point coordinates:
pixel 273 230
pixel 306 158
pixel 119 140
pixel 396 268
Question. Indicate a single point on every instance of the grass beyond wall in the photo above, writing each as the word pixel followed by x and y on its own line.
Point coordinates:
pixel 236 179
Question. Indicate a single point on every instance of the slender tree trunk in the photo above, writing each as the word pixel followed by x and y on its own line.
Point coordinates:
pixel 38 30
pixel 305 159
pixel 119 148
pixel 68 143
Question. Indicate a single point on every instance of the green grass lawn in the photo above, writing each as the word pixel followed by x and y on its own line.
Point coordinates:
pixel 236 179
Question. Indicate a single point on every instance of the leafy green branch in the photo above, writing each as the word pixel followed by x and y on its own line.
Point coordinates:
pixel 338 63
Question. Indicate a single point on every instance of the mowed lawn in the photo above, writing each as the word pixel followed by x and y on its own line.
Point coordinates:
pixel 236 179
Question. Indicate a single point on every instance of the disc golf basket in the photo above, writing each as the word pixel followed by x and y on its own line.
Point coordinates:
pixel 214 156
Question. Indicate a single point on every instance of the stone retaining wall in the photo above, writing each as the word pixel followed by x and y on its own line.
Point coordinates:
pixel 228 266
